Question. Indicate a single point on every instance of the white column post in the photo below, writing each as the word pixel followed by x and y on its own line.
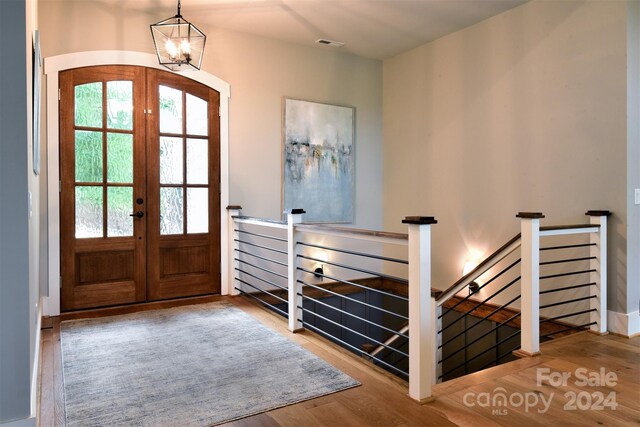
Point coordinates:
pixel 600 275
pixel 530 282
pixel 422 324
pixel 294 216
pixel 230 264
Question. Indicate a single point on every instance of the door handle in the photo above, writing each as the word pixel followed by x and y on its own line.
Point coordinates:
pixel 138 214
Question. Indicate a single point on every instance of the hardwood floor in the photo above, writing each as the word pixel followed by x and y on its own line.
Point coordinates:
pixel 382 399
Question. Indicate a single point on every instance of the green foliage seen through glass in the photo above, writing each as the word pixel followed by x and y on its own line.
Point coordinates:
pixel 119 157
pixel 88 156
pixel 88 105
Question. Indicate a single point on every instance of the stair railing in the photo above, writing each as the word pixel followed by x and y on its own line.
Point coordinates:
pixel 522 309
pixel 274 265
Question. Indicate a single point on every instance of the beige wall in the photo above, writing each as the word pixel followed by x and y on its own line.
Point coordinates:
pixel 525 111
pixel 260 72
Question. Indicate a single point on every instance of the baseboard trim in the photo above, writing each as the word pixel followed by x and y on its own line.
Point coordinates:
pixel 627 325
pixel 35 374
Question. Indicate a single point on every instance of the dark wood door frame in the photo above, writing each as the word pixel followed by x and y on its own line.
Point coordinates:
pixel 154 286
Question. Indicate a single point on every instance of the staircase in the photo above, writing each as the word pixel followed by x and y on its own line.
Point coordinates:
pixel 359 289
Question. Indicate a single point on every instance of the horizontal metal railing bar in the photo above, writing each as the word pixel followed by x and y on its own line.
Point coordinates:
pixel 361 270
pixel 346 282
pixel 481 287
pixel 555 304
pixel 306 310
pixel 260 221
pixel 356 233
pixel 499 358
pixel 260 235
pixel 561 261
pixel 353 315
pixel 346 251
pixel 481 353
pixel 326 334
pixel 401 359
pixel 354 300
pixel 284 264
pixel 261 290
pixel 566 288
pixel 263 302
pixel 580 245
pixel 508 285
pixel 480 337
pixel 261 279
pixel 261 246
pixel 502 307
pixel 569 329
pixel 266 270
pixel 392 339
pixel 481 268
pixel 563 316
pixel 571 273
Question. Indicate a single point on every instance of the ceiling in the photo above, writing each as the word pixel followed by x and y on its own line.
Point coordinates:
pixel 376 29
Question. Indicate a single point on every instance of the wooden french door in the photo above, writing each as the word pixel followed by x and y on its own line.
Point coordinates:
pixel 140 186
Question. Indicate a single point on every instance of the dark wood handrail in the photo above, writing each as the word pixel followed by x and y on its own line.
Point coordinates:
pixel 481 266
pixel 361 232
pixel 491 257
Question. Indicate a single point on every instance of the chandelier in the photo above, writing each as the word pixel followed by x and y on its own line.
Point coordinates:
pixel 179 44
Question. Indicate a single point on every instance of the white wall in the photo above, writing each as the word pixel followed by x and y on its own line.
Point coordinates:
pixel 260 72
pixel 525 111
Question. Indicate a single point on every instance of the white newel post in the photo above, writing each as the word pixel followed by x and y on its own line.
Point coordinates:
pixel 228 285
pixel 294 216
pixel 422 313
pixel 530 282
pixel 599 277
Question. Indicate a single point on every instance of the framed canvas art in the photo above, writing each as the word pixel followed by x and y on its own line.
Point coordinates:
pixel 318 160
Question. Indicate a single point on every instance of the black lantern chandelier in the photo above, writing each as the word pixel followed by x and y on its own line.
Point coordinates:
pixel 179 44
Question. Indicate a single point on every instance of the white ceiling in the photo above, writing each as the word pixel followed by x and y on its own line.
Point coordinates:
pixel 371 28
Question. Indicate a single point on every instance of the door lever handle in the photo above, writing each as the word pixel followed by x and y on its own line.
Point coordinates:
pixel 138 214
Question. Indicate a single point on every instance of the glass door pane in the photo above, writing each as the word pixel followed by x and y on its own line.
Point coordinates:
pixel 103 158
pixel 184 162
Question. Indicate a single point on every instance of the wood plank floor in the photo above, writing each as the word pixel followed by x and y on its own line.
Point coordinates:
pixel 382 399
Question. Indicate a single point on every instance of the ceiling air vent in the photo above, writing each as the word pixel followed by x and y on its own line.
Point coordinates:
pixel 329 43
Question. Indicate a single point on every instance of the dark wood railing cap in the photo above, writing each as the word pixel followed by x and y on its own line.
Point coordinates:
pixel 435 293
pixel 234 208
pixel 598 213
pixel 295 211
pixel 530 215
pixel 419 220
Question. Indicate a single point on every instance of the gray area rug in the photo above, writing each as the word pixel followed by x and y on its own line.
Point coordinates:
pixel 187 366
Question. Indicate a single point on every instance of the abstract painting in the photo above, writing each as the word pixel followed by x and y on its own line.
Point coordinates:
pixel 318 163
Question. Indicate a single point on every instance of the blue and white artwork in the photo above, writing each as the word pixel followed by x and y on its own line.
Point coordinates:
pixel 319 160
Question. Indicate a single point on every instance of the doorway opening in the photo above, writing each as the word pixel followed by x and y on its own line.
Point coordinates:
pixel 140 186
